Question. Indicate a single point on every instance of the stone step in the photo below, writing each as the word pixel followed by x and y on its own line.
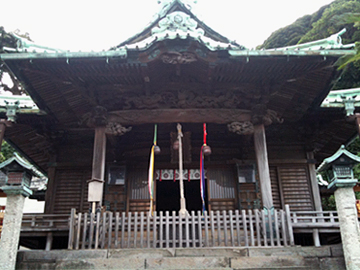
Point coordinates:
pixel 274 262
pixel 207 258
pixel 173 263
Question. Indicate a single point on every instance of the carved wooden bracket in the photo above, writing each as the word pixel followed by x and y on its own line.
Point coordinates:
pixel 241 128
pixel 262 115
pixel 97 117
pixel 266 117
pixel 116 129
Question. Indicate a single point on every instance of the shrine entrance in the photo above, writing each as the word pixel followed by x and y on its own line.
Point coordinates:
pixel 168 196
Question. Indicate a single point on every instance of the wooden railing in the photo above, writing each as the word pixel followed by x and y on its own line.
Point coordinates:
pixel 314 222
pixel 165 230
pixel 44 223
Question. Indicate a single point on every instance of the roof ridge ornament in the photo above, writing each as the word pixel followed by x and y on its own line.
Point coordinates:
pixel 167 3
pixel 175 21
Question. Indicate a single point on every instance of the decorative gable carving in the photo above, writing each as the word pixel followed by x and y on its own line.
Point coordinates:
pixel 177 21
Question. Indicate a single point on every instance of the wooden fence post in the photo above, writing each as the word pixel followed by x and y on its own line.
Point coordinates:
pixel 71 228
pixel 289 225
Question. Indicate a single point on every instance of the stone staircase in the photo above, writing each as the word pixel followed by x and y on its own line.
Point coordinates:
pixel 294 258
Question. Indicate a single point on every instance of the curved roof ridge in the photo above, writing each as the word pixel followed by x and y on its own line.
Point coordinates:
pixel 168 7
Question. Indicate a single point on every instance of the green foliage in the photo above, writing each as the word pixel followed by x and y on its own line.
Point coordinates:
pixel 291 34
pixel 354 148
pixel 328 203
pixel 333 20
pixel 6 151
pixel 328 20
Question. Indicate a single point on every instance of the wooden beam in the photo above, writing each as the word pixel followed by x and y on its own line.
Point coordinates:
pixel 50 194
pixel 263 166
pixel 219 116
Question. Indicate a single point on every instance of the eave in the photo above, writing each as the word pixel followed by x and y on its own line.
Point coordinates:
pixel 123 54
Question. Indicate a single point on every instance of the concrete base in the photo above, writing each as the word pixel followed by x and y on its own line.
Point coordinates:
pixel 315 258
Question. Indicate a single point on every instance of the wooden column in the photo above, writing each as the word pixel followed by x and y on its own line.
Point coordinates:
pixel 96 183
pixel 2 130
pixel 51 187
pixel 263 166
pixel 357 122
pixel 315 192
pixel 314 182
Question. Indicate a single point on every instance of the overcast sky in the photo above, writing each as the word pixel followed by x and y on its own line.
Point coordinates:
pixel 97 25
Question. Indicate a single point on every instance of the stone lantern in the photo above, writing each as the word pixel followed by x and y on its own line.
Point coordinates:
pixel 17 188
pixel 338 168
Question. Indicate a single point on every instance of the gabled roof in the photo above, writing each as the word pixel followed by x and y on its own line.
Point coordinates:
pixel 176 20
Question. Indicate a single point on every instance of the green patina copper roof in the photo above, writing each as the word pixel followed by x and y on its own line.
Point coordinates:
pixel 24 44
pixel 332 42
pixel 176 20
pixel 336 98
pixel 23 163
pixel 25 104
pixel 342 155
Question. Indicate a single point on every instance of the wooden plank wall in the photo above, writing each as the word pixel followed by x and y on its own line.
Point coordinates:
pixel 291 185
pixel 296 187
pixel 275 187
pixel 71 190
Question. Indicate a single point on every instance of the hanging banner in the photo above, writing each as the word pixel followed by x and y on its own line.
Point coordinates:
pixel 151 173
pixel 202 172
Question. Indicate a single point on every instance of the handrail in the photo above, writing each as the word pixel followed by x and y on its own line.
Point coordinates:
pixel 45 222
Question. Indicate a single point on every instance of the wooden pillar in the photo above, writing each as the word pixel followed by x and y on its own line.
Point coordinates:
pixel 315 192
pixel 263 166
pixel 2 130
pixel 96 183
pixel 357 122
pixel 313 180
pixel 50 194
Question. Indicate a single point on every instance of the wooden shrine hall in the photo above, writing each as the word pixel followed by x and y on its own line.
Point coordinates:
pixel 93 131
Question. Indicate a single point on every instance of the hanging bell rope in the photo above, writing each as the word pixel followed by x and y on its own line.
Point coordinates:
pixel 183 210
